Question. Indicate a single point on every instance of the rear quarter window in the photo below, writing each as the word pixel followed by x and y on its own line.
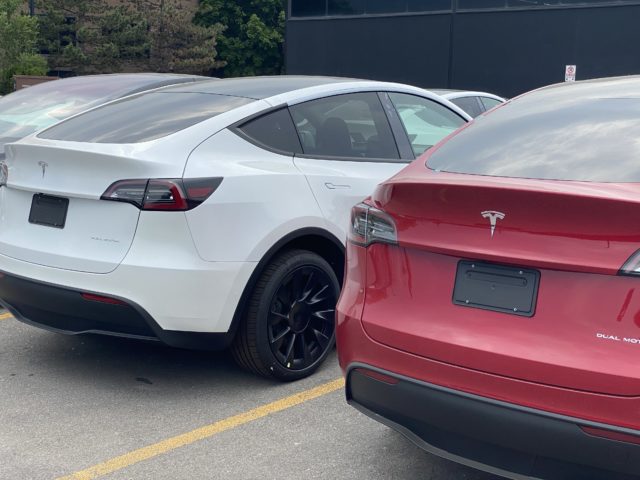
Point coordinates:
pixel 143 117
pixel 274 131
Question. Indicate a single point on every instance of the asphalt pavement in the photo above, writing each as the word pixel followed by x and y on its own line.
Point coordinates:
pixel 89 407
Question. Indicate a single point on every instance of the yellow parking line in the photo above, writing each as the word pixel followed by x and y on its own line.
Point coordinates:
pixel 4 316
pixel 201 433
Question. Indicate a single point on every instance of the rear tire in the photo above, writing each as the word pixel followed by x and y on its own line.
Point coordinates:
pixel 289 325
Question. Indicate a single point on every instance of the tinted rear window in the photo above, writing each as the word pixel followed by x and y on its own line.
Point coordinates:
pixel 551 137
pixel 143 117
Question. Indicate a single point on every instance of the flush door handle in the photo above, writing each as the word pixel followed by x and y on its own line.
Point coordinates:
pixel 333 186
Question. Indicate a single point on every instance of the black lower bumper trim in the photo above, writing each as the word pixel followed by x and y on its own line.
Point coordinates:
pixel 64 310
pixel 515 442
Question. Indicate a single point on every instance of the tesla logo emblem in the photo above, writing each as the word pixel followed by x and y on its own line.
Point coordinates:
pixel 493 217
pixel 44 166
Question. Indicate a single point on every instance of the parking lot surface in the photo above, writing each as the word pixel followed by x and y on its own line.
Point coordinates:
pixel 99 407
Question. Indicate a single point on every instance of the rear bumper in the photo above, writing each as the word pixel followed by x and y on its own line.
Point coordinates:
pixel 494 436
pixel 162 273
pixel 66 310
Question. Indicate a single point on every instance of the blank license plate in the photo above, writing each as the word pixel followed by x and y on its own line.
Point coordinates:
pixel 49 211
pixel 496 287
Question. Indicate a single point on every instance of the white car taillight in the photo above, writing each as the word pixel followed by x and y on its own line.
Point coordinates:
pixel 371 225
pixel 162 194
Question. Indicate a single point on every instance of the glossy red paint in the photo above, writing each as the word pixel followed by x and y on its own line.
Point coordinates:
pixel 577 356
pixel 356 346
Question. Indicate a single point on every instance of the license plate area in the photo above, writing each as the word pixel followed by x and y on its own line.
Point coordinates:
pixel 496 287
pixel 48 210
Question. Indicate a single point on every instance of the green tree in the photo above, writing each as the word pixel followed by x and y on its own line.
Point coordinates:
pixel 93 36
pixel 18 37
pixel 253 37
pixel 177 44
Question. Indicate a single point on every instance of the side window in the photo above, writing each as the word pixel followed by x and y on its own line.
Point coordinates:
pixel 351 125
pixel 425 121
pixel 469 105
pixel 274 130
pixel 489 103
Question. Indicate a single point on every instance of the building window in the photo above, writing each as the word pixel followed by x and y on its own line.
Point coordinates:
pixel 316 8
pixel 499 4
pixel 308 8
pixel 346 7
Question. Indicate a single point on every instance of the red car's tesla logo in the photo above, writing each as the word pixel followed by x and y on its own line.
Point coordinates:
pixel 493 217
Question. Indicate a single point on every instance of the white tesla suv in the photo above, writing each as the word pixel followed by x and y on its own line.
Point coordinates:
pixel 206 215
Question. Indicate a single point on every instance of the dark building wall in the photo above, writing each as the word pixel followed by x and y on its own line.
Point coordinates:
pixel 399 48
pixel 507 52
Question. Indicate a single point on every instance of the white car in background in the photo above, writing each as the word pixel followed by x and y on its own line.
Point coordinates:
pixel 474 103
pixel 210 214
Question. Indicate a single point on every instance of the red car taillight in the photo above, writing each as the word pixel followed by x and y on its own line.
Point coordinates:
pixel 371 225
pixel 162 194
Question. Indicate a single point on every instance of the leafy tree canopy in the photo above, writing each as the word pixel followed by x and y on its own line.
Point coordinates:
pixel 18 37
pixel 253 36
pixel 91 36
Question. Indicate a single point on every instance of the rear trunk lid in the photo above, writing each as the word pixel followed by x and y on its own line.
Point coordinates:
pixel 96 234
pixel 583 330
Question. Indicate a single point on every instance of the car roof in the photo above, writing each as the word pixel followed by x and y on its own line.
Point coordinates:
pixel 453 94
pixel 112 85
pixel 258 88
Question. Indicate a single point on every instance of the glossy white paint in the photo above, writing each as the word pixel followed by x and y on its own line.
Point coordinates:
pixel 186 269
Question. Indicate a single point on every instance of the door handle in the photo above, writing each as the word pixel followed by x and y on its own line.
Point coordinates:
pixel 332 186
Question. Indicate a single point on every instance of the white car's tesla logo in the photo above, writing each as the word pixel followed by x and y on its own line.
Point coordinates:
pixel 44 166
pixel 493 217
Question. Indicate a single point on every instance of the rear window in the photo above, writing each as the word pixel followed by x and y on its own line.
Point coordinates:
pixel 552 138
pixel 143 117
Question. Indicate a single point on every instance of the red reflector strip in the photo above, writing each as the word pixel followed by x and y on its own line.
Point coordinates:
pixel 377 376
pixel 99 298
pixel 197 193
pixel 620 437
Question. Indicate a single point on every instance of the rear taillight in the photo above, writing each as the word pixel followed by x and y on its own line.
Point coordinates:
pixel 371 225
pixel 163 194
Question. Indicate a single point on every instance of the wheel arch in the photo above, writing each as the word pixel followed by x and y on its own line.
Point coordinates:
pixel 314 239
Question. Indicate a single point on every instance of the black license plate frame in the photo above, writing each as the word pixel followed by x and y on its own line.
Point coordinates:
pixel 48 210
pixel 499 288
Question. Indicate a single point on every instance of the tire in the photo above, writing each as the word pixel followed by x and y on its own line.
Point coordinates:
pixel 289 325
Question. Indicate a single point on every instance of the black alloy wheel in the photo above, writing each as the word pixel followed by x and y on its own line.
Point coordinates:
pixel 289 327
pixel 302 317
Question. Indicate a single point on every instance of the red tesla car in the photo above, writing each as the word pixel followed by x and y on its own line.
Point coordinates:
pixel 491 305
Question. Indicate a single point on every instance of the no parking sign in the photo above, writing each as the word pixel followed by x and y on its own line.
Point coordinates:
pixel 570 73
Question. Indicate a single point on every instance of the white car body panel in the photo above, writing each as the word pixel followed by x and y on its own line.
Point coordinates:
pixel 188 270
pixel 262 197
pixel 338 185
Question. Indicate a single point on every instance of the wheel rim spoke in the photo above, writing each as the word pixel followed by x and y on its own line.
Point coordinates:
pixel 321 315
pixel 292 343
pixel 280 315
pixel 321 338
pixel 316 299
pixel 306 354
pixel 281 335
